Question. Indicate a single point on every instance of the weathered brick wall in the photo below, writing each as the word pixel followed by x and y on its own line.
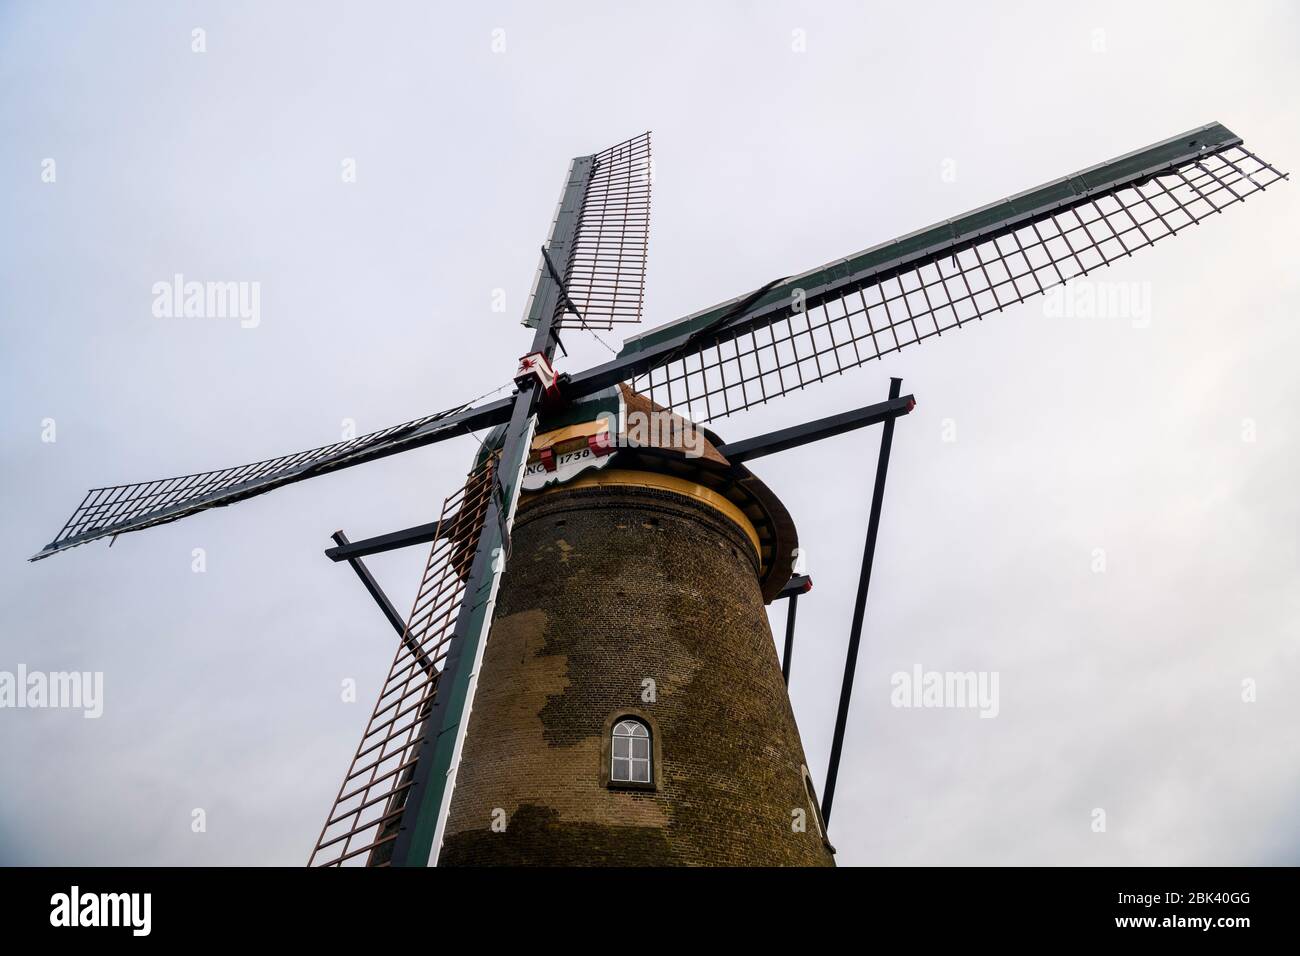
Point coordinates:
pixel 606 587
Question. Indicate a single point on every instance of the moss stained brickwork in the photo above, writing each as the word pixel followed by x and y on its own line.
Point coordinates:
pixel 607 588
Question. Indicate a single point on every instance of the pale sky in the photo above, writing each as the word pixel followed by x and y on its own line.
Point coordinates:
pixel 1173 446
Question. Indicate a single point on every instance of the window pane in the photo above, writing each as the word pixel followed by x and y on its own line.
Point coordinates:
pixel 640 747
pixel 621 745
pixel 639 730
pixel 621 770
pixel 641 771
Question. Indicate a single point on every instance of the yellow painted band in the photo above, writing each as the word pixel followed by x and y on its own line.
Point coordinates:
pixel 625 477
pixel 581 430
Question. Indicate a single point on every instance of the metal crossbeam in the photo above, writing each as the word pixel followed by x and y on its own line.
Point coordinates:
pixel 786 438
pixel 798 584
pixel 350 550
pixel 744 450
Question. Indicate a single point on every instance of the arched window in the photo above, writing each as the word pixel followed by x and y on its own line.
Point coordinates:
pixel 630 755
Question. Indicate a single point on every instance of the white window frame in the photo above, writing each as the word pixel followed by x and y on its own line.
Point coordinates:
pixel 638 730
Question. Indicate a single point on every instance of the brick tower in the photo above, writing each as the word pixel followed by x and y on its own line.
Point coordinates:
pixel 630 708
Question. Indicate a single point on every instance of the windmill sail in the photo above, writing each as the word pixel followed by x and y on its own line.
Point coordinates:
pixel 801 329
pixel 363 823
pixel 117 509
pixel 605 262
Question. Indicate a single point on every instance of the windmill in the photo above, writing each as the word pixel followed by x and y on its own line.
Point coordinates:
pixel 569 431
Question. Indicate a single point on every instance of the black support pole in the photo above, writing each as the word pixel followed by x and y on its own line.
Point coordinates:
pixel 789 638
pixel 798 584
pixel 859 607
pixel 373 587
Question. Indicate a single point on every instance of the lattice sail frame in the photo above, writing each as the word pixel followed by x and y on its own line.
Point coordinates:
pixel 362 824
pixel 754 358
pixel 605 273
pixel 117 509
